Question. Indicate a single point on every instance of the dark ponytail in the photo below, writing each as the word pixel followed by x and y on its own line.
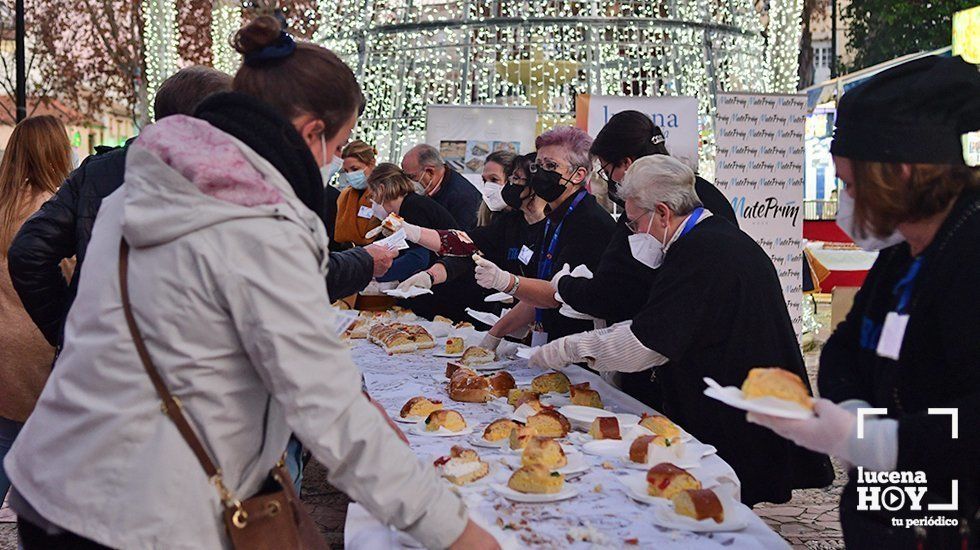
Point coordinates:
pixel 295 78
pixel 628 134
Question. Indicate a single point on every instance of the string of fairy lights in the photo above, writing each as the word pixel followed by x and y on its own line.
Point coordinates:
pixel 409 54
pixel 159 44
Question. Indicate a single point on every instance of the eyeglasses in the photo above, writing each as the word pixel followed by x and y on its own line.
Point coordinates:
pixel 547 165
pixel 633 225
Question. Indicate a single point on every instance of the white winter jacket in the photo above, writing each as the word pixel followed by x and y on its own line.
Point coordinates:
pixel 226 277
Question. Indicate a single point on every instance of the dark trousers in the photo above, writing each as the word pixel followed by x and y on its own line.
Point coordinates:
pixel 33 537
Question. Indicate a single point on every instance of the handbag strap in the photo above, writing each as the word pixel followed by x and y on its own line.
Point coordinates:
pixel 171 405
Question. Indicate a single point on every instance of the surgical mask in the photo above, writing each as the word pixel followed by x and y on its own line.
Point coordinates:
pixel 355 179
pixel 646 249
pixel 492 195
pixel 511 194
pixel 862 236
pixel 378 210
pixel 612 187
pixel 547 184
pixel 328 170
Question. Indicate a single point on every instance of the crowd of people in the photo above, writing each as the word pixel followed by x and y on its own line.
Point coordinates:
pixel 223 233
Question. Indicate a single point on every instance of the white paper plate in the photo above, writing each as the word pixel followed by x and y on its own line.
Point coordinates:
pixel 555 399
pixel 410 293
pixel 691 458
pixel 478 441
pixel 483 317
pixel 577 463
pixel 408 420
pixel 609 448
pixel 419 429
pixel 510 494
pixel 447 355
pixel 638 430
pixel 733 397
pixel 737 517
pixel 521 413
pixel 582 417
pixel 636 488
pixel 499 297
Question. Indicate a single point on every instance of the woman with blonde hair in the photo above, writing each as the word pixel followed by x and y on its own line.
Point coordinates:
pixel 37 160
pixel 354 215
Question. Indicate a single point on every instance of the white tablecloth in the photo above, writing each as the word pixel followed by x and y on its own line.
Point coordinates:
pixel 602 504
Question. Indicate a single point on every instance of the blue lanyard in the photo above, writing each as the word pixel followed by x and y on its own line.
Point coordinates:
pixel 903 289
pixel 546 257
pixel 692 221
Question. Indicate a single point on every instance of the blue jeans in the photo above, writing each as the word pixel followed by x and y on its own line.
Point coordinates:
pixel 294 462
pixel 8 432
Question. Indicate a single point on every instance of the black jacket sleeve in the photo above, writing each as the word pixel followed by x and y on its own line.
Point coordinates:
pixel 35 255
pixel 348 272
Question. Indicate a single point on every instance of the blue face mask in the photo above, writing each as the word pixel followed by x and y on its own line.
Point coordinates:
pixel 355 179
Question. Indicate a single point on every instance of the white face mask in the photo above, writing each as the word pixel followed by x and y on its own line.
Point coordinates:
pixel 378 210
pixel 328 170
pixel 862 236
pixel 646 249
pixel 491 196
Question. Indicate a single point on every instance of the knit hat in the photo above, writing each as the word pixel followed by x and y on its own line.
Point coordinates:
pixel 915 113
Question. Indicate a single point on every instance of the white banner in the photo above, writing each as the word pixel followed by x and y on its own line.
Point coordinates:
pixel 759 140
pixel 676 116
pixel 466 134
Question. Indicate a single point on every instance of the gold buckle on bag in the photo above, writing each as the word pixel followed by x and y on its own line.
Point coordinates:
pixel 240 518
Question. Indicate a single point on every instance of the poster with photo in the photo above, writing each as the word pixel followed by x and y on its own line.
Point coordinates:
pixel 466 134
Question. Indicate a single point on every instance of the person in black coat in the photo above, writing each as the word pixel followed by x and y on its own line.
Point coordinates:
pixel 717 310
pixel 443 184
pixel 909 345
pixel 62 227
pixel 577 231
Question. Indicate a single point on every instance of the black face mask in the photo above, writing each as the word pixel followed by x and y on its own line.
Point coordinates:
pixel 512 195
pixel 547 185
pixel 613 187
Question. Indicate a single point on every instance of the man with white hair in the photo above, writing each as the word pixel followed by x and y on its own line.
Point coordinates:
pixel 455 193
pixel 716 310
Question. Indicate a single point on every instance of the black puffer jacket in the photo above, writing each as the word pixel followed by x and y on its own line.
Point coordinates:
pixel 61 229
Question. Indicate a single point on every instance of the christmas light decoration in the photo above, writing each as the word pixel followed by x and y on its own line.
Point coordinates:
pixel 225 21
pixel 783 44
pixel 159 45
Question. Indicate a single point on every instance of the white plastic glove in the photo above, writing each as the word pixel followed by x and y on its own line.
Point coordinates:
pixel 488 275
pixel 413 233
pixel 490 342
pixel 829 432
pixel 421 279
pixel 557 354
pixel 507 350
pixel 565 270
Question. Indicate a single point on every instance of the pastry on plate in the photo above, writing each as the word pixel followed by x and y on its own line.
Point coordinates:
pixel 550 423
pixel 453 368
pixel 699 504
pixel 555 382
pixel 660 425
pixel 536 480
pixel 605 427
pixel 420 406
pixel 463 324
pixel 393 222
pixel 649 449
pixel 544 451
pixel 441 319
pixel 454 345
pixel 585 396
pixel 666 480
pixel 463 466
pixel 520 437
pixel 517 393
pixel 501 383
pixel 475 355
pixel 358 330
pixel 500 429
pixel 445 418
pixel 469 388
pixel 422 338
pixel 778 383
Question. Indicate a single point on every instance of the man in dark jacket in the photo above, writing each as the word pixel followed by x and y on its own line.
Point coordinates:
pixel 62 227
pixel 445 185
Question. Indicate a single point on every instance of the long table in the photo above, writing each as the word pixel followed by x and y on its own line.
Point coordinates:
pixel 602 512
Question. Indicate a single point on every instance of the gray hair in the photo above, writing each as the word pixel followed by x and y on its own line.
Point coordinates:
pixel 656 179
pixel 428 156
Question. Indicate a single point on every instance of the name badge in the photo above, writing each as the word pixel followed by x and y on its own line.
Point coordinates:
pixel 525 255
pixel 539 338
pixel 892 334
pixel 365 212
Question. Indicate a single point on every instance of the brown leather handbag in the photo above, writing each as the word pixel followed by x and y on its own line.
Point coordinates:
pixel 274 518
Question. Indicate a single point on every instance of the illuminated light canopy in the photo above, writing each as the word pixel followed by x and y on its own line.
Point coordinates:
pixel 159 45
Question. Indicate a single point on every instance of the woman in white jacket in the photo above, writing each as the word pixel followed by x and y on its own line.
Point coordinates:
pixel 226 272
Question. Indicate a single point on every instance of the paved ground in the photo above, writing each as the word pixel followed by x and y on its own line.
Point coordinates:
pixel 809 521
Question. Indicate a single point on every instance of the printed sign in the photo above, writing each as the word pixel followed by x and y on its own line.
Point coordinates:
pixel 677 117
pixel 759 141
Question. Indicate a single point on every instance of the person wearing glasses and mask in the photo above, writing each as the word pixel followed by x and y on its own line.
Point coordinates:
pixel 716 310
pixel 909 345
pixel 576 232
pixel 515 226
pixel 449 188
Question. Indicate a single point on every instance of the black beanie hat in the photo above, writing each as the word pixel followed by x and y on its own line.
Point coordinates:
pixel 915 113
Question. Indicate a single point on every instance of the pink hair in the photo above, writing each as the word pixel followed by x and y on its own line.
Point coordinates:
pixel 574 140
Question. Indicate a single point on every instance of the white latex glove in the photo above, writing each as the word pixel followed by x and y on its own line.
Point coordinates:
pixel 488 275
pixel 557 354
pixel 413 233
pixel 829 432
pixel 565 270
pixel 490 342
pixel 421 279
pixel 507 350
